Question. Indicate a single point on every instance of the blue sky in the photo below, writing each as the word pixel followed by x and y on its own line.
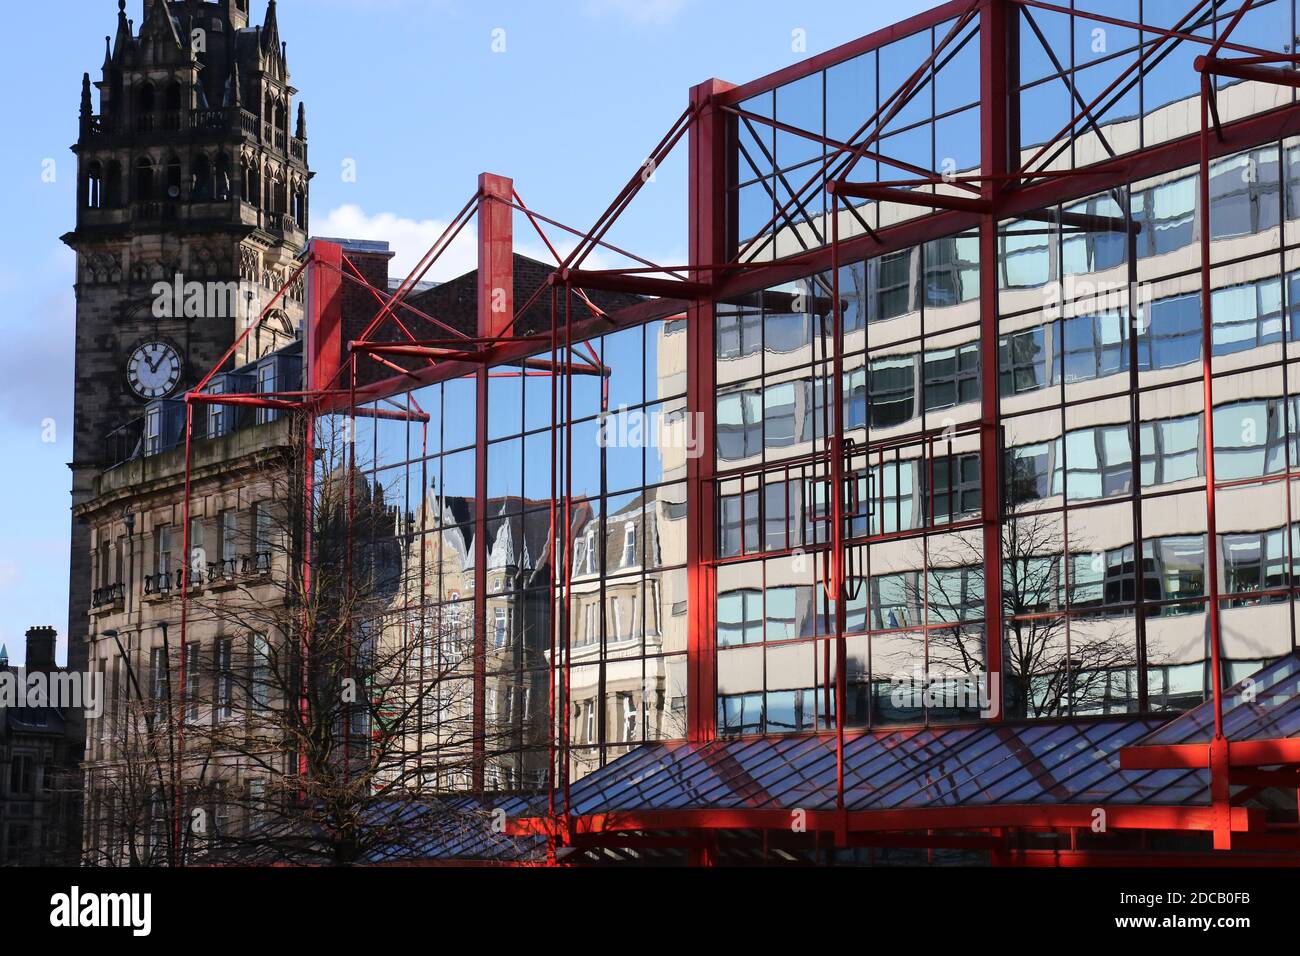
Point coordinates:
pixel 413 94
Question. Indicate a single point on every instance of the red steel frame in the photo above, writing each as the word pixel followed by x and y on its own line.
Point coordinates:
pixel 1005 188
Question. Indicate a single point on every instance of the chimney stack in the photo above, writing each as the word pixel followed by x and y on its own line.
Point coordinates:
pixel 40 649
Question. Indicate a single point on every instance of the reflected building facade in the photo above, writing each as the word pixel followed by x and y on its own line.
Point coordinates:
pixel 1095 481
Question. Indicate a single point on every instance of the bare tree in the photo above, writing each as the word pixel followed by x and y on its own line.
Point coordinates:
pixel 1051 665
pixel 131 788
pixel 323 708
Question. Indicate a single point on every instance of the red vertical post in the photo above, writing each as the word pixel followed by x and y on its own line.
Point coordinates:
pixel 707 147
pixel 323 338
pixel 324 321
pixel 495 308
pixel 1219 789
pixel 496 251
pixel 995 156
pixel 835 448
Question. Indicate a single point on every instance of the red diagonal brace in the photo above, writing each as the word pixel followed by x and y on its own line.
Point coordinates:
pixel 909 197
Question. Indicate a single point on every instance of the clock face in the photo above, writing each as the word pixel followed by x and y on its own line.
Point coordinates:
pixel 154 370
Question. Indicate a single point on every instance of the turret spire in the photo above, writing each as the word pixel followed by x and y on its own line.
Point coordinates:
pixel 123 39
pixel 302 121
pixel 270 30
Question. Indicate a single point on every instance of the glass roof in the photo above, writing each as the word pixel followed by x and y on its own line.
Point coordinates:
pixel 1263 706
pixel 1072 763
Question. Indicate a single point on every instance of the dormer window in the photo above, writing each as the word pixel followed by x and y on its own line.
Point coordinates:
pixel 579 556
pixel 629 544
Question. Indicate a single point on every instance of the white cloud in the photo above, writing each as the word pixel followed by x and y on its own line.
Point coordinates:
pixel 410 239
pixel 639 12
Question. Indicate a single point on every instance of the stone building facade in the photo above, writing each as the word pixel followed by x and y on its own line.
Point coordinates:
pixel 192 199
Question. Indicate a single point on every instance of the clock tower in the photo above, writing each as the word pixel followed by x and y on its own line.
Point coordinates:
pixel 192 186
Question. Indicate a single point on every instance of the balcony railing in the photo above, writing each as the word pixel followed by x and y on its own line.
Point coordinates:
pixel 158 584
pixel 219 119
pixel 154 211
pixel 281 222
pixel 108 595
pixel 259 562
pixel 222 571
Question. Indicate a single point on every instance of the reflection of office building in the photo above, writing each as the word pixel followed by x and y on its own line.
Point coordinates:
pixel 944 563
pixel 985 389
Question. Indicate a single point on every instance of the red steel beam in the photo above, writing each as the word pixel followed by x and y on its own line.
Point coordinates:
pixel 1244 753
pixel 631 284
pixel 1120 817
pixel 496 253
pixel 708 176
pixel 910 197
pixel 995 147
pixel 1259 74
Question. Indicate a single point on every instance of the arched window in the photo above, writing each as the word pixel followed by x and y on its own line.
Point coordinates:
pixel 146 101
pixel 201 179
pixel 221 178
pixel 174 178
pixel 144 179
pixel 113 185
pixel 94 186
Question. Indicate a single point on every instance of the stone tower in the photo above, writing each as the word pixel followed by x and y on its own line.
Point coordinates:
pixel 192 186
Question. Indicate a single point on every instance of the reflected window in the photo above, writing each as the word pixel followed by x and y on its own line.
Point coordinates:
pixel 1170 450
pixel 1094 346
pixel 891 388
pixel 1254 562
pixel 895 601
pixel 1174 569
pixel 952 376
pixel 891 286
pixel 956 487
pixel 1246 316
pixel 740 425
pixel 952 270
pixel 1249 439
pixel 1025 361
pixel 1094 244
pixel 1172 335
pixel 1165 215
pixel 791 711
pixel 740 617
pixel 1025 252
pixel 740 714
pixel 892 496
pixel 779 415
pixel 739 333
pixel 1098 462
pixel 1245 196
pixel 1029 473
pixel 738 516
pixel 954 594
